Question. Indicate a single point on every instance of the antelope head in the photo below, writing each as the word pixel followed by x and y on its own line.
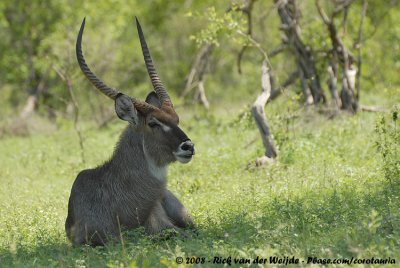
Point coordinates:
pixel 155 118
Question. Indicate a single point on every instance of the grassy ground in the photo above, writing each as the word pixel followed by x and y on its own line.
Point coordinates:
pixel 326 196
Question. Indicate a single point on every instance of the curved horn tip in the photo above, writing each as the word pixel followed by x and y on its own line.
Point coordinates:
pixel 79 40
pixel 139 27
pixel 83 22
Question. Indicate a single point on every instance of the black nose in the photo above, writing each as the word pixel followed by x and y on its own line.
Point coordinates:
pixel 187 146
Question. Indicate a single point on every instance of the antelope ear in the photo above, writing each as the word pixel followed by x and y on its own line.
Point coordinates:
pixel 153 99
pixel 125 109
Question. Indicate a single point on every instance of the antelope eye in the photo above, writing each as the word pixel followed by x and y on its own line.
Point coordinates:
pixel 153 124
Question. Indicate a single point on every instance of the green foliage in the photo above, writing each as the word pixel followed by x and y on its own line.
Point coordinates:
pixel 329 194
pixel 23 26
pixel 388 144
pixel 225 24
pixel 112 49
pixel 326 196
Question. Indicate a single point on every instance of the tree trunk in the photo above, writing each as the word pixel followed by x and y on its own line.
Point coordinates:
pixel 308 98
pixel 342 55
pixel 332 85
pixel 258 113
pixel 347 95
pixel 289 14
pixel 31 104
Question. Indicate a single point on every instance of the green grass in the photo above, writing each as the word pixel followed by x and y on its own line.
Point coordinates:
pixel 326 196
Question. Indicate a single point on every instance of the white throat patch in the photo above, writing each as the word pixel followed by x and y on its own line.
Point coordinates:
pixel 160 173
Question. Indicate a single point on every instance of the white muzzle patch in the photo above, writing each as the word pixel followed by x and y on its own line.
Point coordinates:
pixel 185 152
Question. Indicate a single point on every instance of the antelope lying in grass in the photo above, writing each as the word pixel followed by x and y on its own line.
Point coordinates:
pixel 129 190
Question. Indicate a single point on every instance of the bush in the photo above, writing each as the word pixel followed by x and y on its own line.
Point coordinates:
pixel 388 145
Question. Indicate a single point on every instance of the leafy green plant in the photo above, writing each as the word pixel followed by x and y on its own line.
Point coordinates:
pixel 218 24
pixel 388 144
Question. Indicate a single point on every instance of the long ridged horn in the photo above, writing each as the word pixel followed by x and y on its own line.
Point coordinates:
pixel 141 106
pixel 155 79
pixel 108 91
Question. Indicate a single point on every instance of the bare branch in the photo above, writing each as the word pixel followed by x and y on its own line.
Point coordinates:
pixel 358 46
pixel 239 58
pixel 255 44
pixel 198 70
pixel 373 109
pixel 290 80
pixel 65 78
pixel 341 6
pixel 277 50
pixel 199 67
pixel 247 9
pixel 201 94
pixel 322 13
pixel 345 20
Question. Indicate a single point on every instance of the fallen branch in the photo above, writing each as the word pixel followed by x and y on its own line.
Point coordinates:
pixel 373 109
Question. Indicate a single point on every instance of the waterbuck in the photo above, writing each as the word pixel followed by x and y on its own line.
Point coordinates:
pixel 129 190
